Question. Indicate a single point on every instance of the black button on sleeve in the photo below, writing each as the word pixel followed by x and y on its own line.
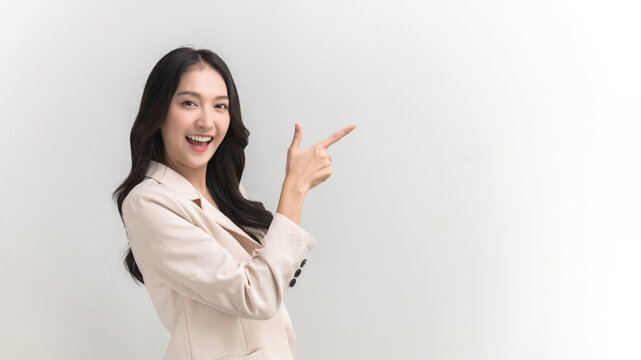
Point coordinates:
pixel 297 273
pixel 291 283
pixel 303 263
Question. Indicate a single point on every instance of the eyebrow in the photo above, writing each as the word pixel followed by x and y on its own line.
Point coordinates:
pixel 193 93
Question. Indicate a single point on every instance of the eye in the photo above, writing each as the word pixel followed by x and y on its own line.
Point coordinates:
pixel 187 101
pixel 224 106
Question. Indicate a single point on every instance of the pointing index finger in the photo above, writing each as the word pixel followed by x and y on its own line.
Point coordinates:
pixel 337 136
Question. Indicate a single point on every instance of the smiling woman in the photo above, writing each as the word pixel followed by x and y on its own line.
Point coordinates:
pixel 215 264
pixel 196 122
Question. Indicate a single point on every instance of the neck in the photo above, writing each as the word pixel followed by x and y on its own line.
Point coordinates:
pixel 197 177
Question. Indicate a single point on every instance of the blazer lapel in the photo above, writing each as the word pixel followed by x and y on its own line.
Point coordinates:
pixel 168 176
pixel 246 242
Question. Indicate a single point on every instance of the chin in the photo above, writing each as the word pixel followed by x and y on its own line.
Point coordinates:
pixel 201 162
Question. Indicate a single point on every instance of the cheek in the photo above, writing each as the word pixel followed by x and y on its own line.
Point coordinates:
pixel 176 125
pixel 224 124
pixel 182 122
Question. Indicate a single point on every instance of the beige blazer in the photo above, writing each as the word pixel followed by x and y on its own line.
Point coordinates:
pixel 217 291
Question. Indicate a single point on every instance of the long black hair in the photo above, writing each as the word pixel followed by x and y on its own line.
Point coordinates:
pixel 224 169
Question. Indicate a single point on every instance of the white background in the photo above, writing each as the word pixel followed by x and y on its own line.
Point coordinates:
pixel 487 205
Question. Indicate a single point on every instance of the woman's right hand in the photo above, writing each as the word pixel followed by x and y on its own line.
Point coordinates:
pixel 310 167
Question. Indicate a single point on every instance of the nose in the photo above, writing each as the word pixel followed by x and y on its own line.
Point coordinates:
pixel 206 119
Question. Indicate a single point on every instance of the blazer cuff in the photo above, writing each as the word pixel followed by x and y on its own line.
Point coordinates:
pixel 286 225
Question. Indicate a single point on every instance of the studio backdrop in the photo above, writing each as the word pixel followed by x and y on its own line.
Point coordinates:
pixel 486 207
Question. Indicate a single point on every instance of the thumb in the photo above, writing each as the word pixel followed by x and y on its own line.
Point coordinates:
pixel 298 135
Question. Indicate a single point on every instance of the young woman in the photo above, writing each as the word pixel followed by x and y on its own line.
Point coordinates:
pixel 215 264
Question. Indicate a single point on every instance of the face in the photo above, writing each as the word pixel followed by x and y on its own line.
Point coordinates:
pixel 197 120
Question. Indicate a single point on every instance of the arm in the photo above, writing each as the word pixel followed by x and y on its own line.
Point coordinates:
pixel 193 263
pixel 290 203
pixel 291 200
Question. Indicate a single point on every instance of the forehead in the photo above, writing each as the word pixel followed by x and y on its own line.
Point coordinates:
pixel 203 79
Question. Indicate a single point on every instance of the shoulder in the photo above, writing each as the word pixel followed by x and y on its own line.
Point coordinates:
pixel 146 189
pixel 150 196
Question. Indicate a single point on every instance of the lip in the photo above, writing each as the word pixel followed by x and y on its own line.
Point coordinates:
pixel 200 149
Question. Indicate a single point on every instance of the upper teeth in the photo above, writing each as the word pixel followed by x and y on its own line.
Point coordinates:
pixel 199 138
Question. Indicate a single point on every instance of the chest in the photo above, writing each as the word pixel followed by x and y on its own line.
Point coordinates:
pixel 208 216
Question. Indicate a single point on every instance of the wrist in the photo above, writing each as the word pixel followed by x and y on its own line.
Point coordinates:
pixel 291 201
pixel 293 187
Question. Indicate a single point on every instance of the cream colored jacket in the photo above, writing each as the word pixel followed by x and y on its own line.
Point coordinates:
pixel 217 291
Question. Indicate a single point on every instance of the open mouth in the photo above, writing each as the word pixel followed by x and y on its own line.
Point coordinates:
pixel 198 145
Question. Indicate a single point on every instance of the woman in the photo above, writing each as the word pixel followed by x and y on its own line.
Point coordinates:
pixel 215 264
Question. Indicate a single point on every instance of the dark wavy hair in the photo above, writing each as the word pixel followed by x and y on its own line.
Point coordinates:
pixel 224 169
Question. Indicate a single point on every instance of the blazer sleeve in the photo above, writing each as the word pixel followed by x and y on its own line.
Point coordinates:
pixel 190 261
